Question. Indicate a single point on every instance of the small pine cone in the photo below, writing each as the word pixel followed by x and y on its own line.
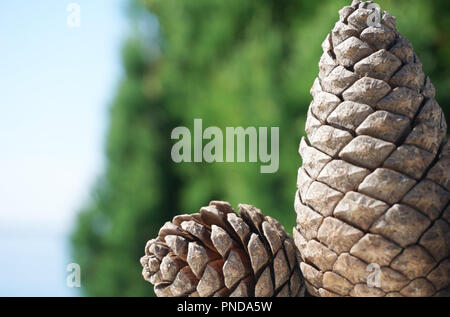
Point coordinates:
pixel 218 253
pixel 373 215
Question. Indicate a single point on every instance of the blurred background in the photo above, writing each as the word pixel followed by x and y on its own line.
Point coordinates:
pixel 86 114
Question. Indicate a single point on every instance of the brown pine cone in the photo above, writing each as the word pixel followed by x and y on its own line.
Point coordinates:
pixel 374 189
pixel 218 253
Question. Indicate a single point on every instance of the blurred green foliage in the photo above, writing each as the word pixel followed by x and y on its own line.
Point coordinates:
pixel 230 63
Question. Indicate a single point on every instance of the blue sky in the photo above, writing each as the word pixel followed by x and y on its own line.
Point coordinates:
pixel 56 83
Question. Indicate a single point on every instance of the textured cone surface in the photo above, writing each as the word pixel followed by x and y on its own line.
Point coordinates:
pixel 373 191
pixel 218 253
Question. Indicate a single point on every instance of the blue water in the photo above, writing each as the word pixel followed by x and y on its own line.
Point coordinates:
pixel 35 265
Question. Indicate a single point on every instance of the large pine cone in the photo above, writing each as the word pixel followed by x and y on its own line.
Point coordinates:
pixel 375 181
pixel 219 253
